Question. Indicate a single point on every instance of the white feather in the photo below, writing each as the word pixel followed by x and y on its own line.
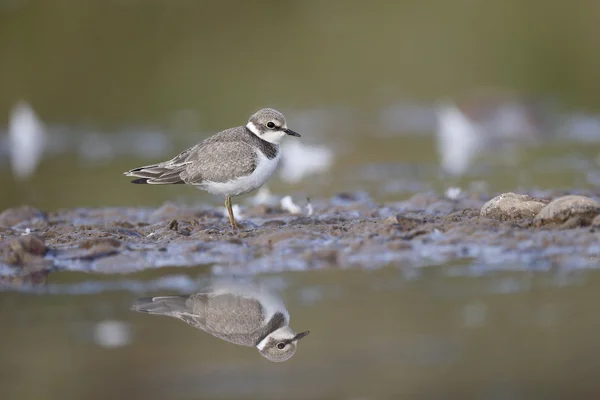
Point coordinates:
pixel 264 169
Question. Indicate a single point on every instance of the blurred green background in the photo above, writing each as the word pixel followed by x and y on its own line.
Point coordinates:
pixel 116 62
pixel 359 78
pixel 187 69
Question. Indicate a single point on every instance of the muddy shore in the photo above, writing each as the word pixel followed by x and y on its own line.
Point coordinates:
pixel 348 230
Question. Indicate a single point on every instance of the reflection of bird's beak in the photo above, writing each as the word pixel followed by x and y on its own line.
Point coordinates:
pixel 301 334
pixel 291 133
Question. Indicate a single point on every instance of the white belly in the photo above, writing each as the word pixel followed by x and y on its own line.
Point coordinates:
pixel 264 169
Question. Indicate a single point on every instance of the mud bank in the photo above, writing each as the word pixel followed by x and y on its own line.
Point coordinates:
pixel 349 230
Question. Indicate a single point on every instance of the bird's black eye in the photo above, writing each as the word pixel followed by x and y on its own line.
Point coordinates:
pixel 270 125
pixel 281 346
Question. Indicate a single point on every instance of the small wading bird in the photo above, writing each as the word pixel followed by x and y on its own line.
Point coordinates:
pixel 243 314
pixel 230 163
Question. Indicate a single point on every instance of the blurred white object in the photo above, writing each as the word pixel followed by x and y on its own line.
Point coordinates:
pixel 27 139
pixel 487 120
pixel 264 196
pixel 300 160
pixel 309 208
pixel 112 334
pixel 458 138
pixel 453 193
pixel 288 205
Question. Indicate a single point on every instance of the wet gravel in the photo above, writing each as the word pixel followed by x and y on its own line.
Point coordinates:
pixel 349 230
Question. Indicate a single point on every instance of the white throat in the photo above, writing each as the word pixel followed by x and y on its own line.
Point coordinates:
pixel 270 136
pixel 285 332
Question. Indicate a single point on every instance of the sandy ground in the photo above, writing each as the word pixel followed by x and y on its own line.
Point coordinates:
pixel 348 230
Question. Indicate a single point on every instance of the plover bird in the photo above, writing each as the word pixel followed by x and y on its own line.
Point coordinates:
pixel 230 163
pixel 245 314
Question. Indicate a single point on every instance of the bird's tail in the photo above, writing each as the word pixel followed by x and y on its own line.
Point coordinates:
pixel 165 305
pixel 156 175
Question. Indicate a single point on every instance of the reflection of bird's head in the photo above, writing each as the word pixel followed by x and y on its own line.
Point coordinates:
pixel 281 344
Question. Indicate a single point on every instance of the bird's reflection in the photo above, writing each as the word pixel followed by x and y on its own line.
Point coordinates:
pixel 243 313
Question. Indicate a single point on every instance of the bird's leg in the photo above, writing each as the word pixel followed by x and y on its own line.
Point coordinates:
pixel 230 211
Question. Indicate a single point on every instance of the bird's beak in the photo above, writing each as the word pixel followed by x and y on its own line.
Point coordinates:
pixel 301 334
pixel 291 132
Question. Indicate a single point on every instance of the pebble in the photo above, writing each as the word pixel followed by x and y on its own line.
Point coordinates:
pixel 512 206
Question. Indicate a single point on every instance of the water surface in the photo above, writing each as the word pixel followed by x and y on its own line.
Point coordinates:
pixel 436 332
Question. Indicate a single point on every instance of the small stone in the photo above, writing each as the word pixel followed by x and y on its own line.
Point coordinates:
pixel 22 250
pixel 571 210
pixel 34 245
pixel 97 248
pixel 392 219
pixel 512 206
pixel 273 223
pixel 13 216
pixel 173 225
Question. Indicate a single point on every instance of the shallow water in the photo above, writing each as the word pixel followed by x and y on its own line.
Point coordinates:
pixel 436 332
